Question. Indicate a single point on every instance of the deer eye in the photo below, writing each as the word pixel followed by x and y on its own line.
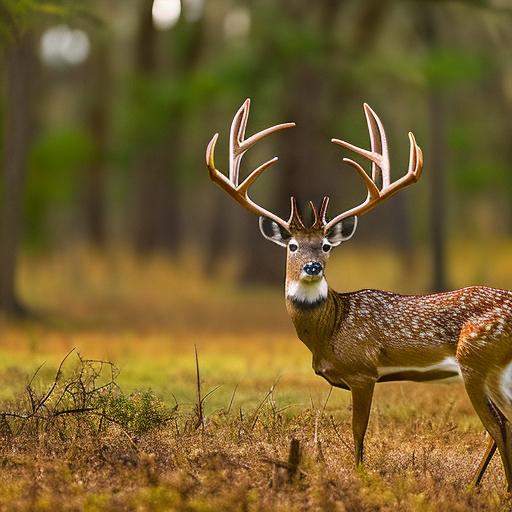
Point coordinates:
pixel 293 246
pixel 326 247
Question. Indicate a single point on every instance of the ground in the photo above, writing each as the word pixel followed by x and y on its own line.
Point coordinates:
pixel 136 437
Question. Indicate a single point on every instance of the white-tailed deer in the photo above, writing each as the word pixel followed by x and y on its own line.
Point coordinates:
pixel 360 338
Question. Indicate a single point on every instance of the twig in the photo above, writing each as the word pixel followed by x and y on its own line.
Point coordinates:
pixel 199 405
pixel 262 403
pixel 211 392
pixel 326 400
pixel 282 464
pixel 73 411
pixel 339 436
pixel 231 400
pixel 35 373
pixel 55 381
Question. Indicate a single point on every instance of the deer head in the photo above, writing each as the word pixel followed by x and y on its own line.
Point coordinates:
pixel 308 248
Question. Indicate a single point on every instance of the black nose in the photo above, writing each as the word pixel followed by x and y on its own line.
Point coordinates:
pixel 312 268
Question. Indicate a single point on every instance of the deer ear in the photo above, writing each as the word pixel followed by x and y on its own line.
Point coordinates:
pixel 342 231
pixel 274 232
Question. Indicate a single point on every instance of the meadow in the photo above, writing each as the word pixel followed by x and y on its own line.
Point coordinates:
pixel 131 423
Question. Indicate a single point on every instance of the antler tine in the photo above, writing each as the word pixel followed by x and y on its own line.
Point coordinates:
pixel 316 219
pixel 381 160
pixel 322 213
pixel 238 145
pixel 379 154
pixel 373 190
pixel 295 220
pixel 237 148
pixel 236 138
pixel 379 147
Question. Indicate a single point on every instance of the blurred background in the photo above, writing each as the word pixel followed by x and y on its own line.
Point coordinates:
pixel 108 105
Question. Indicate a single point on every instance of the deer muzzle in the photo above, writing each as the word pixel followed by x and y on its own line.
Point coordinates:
pixel 312 270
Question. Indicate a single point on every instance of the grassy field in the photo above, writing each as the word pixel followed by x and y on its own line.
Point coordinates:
pixel 138 438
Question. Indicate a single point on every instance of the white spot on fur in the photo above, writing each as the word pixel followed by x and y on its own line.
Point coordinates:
pixel 307 291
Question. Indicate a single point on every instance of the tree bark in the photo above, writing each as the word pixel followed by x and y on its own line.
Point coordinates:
pixel 17 136
pixel 98 124
pixel 437 167
pixel 436 107
pixel 144 226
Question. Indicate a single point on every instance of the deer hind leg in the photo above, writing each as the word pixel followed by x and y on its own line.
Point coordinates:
pixel 494 421
pixel 506 452
pixel 486 459
pixel 362 395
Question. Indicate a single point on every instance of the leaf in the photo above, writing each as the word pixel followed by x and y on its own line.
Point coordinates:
pixel 444 68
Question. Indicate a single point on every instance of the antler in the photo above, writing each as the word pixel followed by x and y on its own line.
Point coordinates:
pixel 379 185
pixel 238 145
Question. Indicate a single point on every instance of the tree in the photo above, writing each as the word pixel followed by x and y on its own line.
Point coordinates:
pixel 98 121
pixel 18 19
pixel 161 91
pixel 437 156
pixel 19 78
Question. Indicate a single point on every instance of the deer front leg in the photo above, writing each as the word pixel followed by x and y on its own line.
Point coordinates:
pixel 362 395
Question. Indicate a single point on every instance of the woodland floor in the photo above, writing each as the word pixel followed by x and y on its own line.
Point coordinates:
pixel 135 436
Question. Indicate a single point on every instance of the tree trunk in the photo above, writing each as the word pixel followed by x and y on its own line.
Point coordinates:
pixel 146 183
pixel 156 222
pixel 186 41
pixel 438 154
pixel 98 121
pixel 17 135
pixel 437 168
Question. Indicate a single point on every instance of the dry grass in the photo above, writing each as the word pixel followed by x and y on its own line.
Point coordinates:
pixel 133 449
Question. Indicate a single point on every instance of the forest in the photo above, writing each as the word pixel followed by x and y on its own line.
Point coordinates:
pixel 146 358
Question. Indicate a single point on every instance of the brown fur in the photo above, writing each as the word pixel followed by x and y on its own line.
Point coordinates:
pixel 310 249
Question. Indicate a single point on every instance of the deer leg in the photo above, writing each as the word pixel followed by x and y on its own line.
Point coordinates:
pixel 489 452
pixel 494 422
pixel 506 452
pixel 361 404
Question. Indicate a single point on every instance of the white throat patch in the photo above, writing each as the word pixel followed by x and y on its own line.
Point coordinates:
pixel 307 292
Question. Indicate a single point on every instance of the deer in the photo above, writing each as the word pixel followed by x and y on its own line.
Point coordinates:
pixel 361 338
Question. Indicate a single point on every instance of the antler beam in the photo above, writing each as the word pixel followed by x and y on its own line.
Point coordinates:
pixel 379 185
pixel 238 146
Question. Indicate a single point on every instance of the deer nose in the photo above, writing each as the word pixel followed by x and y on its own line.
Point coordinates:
pixel 312 268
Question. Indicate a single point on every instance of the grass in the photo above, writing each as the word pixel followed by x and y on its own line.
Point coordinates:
pixel 152 451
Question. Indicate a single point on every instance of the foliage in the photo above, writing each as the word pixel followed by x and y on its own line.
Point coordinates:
pixel 448 68
pixel 148 109
pixel 20 15
pixel 355 52
pixel 138 413
pixel 57 161
pixel 91 396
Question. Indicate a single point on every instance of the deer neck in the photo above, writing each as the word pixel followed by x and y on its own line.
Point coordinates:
pixel 313 308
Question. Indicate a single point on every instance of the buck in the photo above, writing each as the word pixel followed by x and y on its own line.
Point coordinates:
pixel 361 338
